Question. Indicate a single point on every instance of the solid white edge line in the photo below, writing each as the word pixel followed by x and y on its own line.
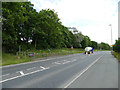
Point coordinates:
pixel 84 70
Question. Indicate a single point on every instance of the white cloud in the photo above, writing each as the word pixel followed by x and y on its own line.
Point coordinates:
pixel 91 17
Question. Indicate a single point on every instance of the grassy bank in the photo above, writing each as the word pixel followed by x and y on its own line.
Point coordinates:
pixel 116 55
pixel 8 59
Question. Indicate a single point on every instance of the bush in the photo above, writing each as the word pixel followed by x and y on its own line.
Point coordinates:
pixel 116 46
pixel 116 55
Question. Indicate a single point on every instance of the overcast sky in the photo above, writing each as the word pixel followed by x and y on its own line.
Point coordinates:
pixel 91 17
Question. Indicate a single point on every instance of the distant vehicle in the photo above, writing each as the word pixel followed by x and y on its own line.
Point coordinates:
pixel 88 50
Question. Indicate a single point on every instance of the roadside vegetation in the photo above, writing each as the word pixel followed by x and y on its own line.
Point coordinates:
pixel 116 49
pixel 8 58
pixel 116 55
pixel 26 31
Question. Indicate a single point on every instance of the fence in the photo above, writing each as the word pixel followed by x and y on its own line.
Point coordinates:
pixel 39 55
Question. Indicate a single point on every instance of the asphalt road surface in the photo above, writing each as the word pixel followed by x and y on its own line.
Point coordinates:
pixel 97 70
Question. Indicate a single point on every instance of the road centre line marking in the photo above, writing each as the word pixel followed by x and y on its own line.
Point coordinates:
pixel 22 75
pixel 59 62
pixel 56 63
pixel 4 75
pixel 42 67
pixel 69 61
pixel 21 72
pixel 30 68
pixel 83 71
pixel 64 61
pixel 73 60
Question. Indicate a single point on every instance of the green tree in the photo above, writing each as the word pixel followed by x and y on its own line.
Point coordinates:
pixel 116 46
pixel 104 46
pixel 47 33
pixel 94 44
pixel 12 18
pixel 86 42
pixel 28 28
pixel 23 25
pixel 78 39
pixel 67 37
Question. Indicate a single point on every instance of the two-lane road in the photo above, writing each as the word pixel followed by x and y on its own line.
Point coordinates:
pixel 97 70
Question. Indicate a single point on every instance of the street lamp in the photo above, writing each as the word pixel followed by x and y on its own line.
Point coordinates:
pixel 111 33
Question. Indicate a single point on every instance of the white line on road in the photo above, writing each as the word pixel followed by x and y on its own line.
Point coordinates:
pixel 56 63
pixel 66 62
pixel 73 60
pixel 42 67
pixel 83 71
pixel 69 61
pixel 22 75
pixel 30 68
pixel 4 75
pixel 21 72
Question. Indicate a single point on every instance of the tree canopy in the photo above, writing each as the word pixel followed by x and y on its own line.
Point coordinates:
pixel 104 46
pixel 116 46
pixel 24 26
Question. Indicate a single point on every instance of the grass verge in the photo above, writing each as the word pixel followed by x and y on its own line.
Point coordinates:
pixel 116 55
pixel 8 59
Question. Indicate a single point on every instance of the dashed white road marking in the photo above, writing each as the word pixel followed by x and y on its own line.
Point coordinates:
pixel 4 75
pixel 42 67
pixel 23 75
pixel 66 62
pixel 69 61
pixel 21 72
pixel 48 59
pixel 30 68
pixel 56 63
pixel 73 60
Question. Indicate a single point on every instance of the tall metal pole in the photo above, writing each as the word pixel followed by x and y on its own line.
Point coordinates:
pixel 111 35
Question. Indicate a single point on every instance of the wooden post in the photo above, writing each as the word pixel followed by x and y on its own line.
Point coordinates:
pixel 19 51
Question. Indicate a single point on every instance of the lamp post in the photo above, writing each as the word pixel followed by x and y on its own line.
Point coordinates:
pixel 111 35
